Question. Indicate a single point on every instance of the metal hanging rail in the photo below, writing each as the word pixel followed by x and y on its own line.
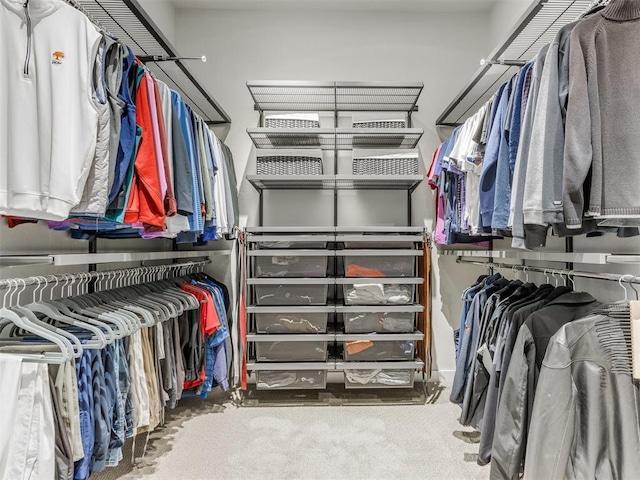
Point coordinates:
pixel 117 278
pixel 537 27
pixel 611 277
pixel 127 21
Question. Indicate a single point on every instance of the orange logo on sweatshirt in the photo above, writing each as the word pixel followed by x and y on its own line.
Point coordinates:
pixel 57 58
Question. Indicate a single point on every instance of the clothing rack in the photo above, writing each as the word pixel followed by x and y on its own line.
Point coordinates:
pixel 611 277
pixel 118 278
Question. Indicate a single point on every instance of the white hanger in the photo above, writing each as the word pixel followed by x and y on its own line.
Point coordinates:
pixel 66 349
pixel 98 339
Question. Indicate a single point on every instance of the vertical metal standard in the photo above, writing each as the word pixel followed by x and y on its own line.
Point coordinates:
pixel 409 206
pixel 491 257
pixel 93 248
pixel 335 153
pixel 568 247
pixel 261 206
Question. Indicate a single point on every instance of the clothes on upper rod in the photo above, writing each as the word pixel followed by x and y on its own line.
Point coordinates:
pixel 117 153
pixel 553 145
pixel 93 403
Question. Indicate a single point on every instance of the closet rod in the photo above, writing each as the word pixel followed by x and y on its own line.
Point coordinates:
pixel 105 274
pixel 611 277
pixel 506 63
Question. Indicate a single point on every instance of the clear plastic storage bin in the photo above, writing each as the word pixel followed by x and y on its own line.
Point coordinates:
pixel 379 322
pixel 294 351
pixel 289 294
pixel 379 293
pixel 291 322
pixel 378 350
pixel 379 378
pixel 291 266
pixel 291 379
pixel 380 266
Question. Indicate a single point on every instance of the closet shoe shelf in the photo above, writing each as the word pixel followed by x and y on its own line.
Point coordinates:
pixel 335 139
pixel 335 182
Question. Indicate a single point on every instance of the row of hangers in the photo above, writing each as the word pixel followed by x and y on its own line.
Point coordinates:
pixel 616 329
pixel 57 330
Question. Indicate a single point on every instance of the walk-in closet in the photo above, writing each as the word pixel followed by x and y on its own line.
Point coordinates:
pixel 300 239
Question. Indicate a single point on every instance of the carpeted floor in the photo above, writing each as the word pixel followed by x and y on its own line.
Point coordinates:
pixel 214 439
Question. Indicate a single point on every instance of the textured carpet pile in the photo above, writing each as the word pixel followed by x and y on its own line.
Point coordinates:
pixel 214 439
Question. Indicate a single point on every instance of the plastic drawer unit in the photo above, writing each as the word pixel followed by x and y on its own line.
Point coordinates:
pixel 380 263
pixel 379 291
pixel 277 320
pixel 291 348
pixel 290 263
pixel 290 376
pixel 290 291
pixel 386 319
pixel 381 374
pixel 379 347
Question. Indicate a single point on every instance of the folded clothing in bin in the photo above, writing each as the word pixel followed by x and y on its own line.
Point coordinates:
pixel 354 270
pixel 379 350
pixel 291 266
pixel 381 377
pixel 283 379
pixel 378 293
pixel 293 324
pixel 379 322
pixel 356 346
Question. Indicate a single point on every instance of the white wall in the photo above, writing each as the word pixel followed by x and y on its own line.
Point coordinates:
pixel 504 15
pixel 162 12
pixel 440 50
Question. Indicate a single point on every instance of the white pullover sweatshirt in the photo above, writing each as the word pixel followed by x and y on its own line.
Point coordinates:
pixel 48 118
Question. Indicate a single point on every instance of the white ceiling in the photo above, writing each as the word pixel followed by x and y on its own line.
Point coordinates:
pixel 344 5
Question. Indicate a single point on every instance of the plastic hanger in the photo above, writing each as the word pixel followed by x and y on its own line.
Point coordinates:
pixel 66 349
pixel 97 341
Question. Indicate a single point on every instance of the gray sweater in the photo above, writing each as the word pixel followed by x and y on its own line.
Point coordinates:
pixel 603 116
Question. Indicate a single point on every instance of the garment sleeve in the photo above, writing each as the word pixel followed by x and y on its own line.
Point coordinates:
pixel 578 151
pixel 553 418
pixel 511 418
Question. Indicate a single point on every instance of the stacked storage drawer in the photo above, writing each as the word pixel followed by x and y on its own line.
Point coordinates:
pixel 289 315
pixel 379 312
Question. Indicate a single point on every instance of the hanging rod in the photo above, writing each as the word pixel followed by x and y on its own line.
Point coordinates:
pixel 611 277
pixel 120 274
pixel 167 58
pixel 507 63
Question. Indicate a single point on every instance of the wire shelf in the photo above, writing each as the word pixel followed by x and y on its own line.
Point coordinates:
pixel 536 28
pixel 297 96
pixel 128 22
pixel 335 182
pixel 331 139
pixel 323 138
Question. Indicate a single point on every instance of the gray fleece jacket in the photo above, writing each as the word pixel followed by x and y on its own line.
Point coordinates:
pixel 603 116
pixel 543 189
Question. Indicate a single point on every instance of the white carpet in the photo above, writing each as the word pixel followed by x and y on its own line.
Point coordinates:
pixel 206 440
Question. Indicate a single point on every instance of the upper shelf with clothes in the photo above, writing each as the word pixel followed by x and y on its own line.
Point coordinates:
pixel 303 96
pixel 536 28
pixel 129 23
